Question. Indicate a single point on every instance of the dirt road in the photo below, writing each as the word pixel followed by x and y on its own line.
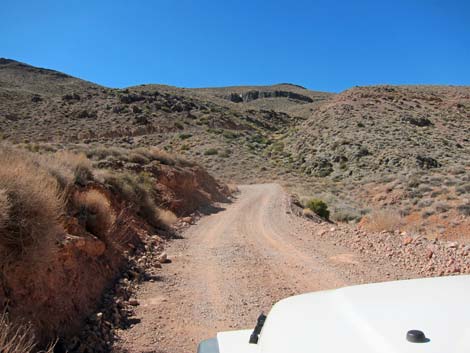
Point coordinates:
pixel 234 264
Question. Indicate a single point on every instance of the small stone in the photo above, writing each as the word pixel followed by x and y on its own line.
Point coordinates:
pixel 188 220
pixel 429 254
pixel 452 245
pixel 162 258
pixel 133 302
pixel 407 240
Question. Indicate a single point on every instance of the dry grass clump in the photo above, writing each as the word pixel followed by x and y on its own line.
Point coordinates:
pixel 383 220
pixel 30 206
pixel 166 217
pixel 68 167
pixel 95 212
pixel 138 191
pixel 139 155
pixel 18 338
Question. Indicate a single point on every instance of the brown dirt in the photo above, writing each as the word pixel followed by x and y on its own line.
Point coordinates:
pixel 236 263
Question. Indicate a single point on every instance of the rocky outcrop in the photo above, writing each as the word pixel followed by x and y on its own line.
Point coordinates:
pixel 253 95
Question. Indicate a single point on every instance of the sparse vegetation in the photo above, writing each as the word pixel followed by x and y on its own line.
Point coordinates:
pixel 18 338
pixel 184 136
pixel 464 209
pixel 383 220
pixel 211 152
pixel 94 210
pixel 30 206
pixel 138 191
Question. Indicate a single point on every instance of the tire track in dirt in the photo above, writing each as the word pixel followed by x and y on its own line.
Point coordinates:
pixel 231 266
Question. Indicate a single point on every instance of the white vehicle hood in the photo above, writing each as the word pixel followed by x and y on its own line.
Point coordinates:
pixel 371 318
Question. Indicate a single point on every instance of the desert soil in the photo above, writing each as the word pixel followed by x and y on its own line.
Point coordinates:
pixel 236 263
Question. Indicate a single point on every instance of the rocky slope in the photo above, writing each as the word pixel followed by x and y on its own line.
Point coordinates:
pixel 404 149
pixel 400 148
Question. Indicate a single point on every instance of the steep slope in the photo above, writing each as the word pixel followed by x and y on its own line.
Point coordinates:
pixel 39 106
pixel 19 77
pixel 384 129
pixel 402 148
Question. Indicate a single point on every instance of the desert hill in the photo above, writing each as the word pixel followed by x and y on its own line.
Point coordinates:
pixel 400 148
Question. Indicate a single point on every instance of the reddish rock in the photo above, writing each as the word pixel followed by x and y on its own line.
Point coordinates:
pixel 407 240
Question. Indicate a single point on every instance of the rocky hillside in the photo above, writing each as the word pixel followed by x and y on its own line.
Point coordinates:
pixel 39 106
pixel 382 130
pixel 399 148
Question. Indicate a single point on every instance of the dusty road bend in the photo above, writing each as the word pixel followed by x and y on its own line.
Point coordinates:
pixel 234 264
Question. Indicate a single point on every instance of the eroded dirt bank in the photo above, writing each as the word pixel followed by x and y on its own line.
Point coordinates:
pixel 53 273
pixel 237 262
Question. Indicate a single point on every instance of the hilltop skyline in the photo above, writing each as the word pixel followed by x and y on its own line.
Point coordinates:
pixel 318 45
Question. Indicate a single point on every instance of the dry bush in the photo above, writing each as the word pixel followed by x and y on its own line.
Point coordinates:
pixel 18 338
pixel 77 163
pixel 95 212
pixel 31 206
pixel 383 220
pixel 67 167
pixel 307 212
pixel 138 191
pixel 166 217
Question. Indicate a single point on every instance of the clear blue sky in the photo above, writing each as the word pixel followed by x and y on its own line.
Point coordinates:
pixel 326 45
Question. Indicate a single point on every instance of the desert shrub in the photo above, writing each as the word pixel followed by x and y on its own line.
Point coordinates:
pixel 138 158
pixel 138 190
pixel 139 155
pixel 463 189
pixel 184 136
pixel 464 209
pixel 423 189
pixel 427 213
pixel 95 212
pixel 30 207
pixel 100 153
pixel 383 220
pixel 211 152
pixel 425 203
pixel 319 207
pixel 179 126
pixel 67 167
pixel 230 134
pixel 346 215
pixel 441 207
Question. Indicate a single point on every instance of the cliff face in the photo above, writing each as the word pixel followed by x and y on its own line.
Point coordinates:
pixel 253 95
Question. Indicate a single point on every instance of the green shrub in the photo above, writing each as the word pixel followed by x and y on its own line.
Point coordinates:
pixel 138 190
pixel 464 209
pixel 230 134
pixel 211 152
pixel 319 207
pixel 184 136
